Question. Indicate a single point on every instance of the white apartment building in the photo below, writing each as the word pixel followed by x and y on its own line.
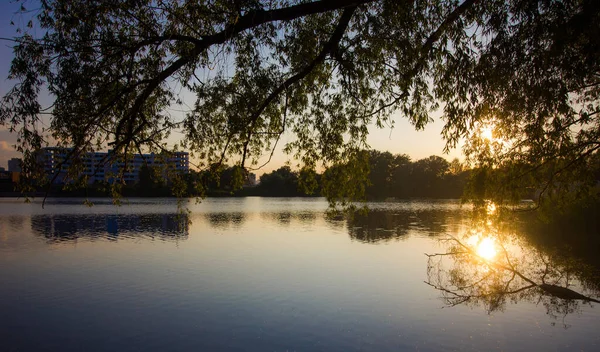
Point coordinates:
pixel 99 166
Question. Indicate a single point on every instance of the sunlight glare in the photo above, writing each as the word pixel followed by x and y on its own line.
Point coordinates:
pixel 483 246
pixel 486 133
pixel 491 208
pixel 486 248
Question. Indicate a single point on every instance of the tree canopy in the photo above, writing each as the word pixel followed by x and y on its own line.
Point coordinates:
pixel 322 70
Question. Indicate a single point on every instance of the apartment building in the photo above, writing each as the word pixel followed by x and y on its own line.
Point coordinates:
pixel 14 165
pixel 101 166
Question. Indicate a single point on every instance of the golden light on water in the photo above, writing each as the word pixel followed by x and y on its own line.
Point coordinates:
pixel 491 208
pixel 484 247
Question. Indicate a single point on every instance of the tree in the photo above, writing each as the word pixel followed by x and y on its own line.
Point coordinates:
pixel 309 182
pixel 401 176
pixel 428 175
pixel 147 179
pixel 281 182
pixel 323 70
pixel 456 167
pixel 381 165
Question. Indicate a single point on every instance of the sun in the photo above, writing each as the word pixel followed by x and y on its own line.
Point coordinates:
pixel 487 133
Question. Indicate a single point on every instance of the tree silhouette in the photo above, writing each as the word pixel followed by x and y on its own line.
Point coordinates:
pixel 322 71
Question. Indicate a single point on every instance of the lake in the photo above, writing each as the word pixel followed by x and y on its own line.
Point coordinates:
pixel 277 274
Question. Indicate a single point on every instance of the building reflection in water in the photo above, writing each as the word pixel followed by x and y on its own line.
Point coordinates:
pixel 491 265
pixel 167 227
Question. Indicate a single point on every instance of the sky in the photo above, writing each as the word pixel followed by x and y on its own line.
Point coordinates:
pixel 403 139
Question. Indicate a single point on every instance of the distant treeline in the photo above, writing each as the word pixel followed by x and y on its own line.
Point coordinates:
pixel 390 176
pixel 398 177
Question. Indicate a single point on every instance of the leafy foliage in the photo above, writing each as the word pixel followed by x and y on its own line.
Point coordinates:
pixel 281 182
pixel 321 70
pixel 395 176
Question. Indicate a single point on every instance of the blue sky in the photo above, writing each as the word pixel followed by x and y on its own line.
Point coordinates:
pixel 402 139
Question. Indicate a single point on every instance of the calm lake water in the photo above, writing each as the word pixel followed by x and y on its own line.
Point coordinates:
pixel 269 274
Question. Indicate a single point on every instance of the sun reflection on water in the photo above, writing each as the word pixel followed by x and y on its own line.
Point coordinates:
pixel 487 248
pixel 483 246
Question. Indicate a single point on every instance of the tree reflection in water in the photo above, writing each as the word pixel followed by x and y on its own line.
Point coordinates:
pixel 223 220
pixel 490 265
pixel 376 226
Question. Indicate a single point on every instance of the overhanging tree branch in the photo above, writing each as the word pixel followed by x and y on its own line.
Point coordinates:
pixel 327 49
pixel 251 19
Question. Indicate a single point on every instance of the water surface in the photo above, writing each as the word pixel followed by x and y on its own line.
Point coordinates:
pixel 256 274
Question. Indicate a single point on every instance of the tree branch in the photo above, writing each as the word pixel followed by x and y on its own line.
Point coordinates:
pixel 250 20
pixel 327 49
